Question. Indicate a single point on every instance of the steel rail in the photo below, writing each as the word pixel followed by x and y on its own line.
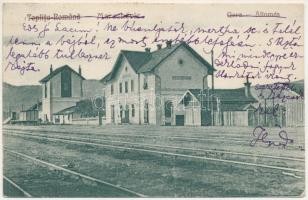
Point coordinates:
pixel 169 154
pixel 170 147
pixel 17 186
pixel 27 157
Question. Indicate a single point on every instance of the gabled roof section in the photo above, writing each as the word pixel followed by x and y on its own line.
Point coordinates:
pixel 160 55
pixel 197 93
pixel 66 111
pixel 230 99
pixel 157 57
pixel 135 58
pixel 225 95
pixel 58 70
pixel 143 62
pixel 191 92
pixel 106 78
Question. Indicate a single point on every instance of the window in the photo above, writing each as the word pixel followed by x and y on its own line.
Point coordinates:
pixel 133 110
pixel 120 87
pixel 145 83
pixel 146 112
pixel 112 114
pixel 111 89
pixel 126 86
pixel 168 109
pixel 132 85
pixel 121 111
pixel 180 61
pixel 66 83
pixel 45 90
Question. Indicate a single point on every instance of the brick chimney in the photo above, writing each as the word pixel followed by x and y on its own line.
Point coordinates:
pixel 79 70
pixel 168 44
pixel 148 50
pixel 247 88
pixel 159 47
pixel 50 69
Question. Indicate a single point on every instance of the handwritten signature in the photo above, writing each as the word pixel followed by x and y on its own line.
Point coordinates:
pixel 260 135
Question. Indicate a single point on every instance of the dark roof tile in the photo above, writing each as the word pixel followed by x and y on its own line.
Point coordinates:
pixel 34 107
pixel 66 111
pixel 58 70
pixel 231 99
pixel 146 61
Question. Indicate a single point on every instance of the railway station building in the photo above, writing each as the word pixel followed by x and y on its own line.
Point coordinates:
pixel 144 87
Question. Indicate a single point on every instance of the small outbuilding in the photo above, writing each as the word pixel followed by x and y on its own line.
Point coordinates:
pixel 221 107
pixel 32 114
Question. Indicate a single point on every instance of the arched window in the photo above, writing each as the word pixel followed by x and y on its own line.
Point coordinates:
pixel 168 109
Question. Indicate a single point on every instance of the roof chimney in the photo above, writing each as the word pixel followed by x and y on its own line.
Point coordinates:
pixel 159 47
pixel 79 70
pixel 247 88
pixel 50 70
pixel 168 43
pixel 148 50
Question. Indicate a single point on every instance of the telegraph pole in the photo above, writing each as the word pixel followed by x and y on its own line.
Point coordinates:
pixel 212 98
pixel 264 111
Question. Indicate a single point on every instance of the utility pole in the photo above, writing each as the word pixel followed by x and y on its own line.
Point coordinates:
pixel 264 111
pixel 273 113
pixel 212 98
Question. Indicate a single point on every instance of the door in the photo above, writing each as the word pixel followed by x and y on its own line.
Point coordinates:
pixel 112 114
pixel 146 113
pixel 179 120
pixel 100 117
pixel 14 116
pixel 126 114
pixel 168 113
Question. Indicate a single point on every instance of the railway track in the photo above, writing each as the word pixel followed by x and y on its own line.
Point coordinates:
pixel 50 166
pixel 119 128
pixel 194 139
pixel 220 139
pixel 17 187
pixel 209 137
pixel 159 152
pixel 88 139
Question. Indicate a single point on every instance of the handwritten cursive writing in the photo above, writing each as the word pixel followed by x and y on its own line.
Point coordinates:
pixel 22 68
pixel 260 135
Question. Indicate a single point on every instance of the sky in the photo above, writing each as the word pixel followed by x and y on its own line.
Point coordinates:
pixel 16 25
